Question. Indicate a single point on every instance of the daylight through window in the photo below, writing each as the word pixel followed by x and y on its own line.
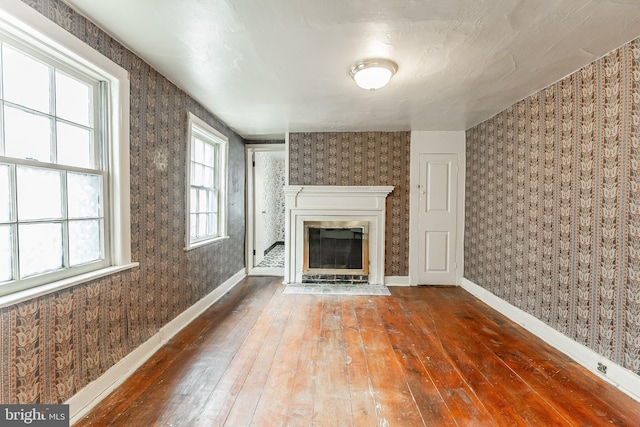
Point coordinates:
pixel 52 213
pixel 206 194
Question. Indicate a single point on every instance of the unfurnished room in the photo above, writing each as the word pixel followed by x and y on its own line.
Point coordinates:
pixel 319 213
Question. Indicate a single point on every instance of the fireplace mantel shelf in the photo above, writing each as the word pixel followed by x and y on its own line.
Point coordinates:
pixel 351 190
pixel 334 203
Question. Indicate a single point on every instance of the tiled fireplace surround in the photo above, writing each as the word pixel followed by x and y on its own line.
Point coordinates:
pixel 334 203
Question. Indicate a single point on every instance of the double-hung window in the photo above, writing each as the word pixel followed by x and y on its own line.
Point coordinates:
pixel 206 195
pixel 60 183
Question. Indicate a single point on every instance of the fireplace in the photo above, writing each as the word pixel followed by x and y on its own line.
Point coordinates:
pixel 336 248
pixel 349 212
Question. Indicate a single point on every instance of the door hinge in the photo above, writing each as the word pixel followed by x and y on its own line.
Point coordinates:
pixel 254 252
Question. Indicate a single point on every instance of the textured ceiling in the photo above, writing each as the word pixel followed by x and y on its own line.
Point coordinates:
pixel 271 66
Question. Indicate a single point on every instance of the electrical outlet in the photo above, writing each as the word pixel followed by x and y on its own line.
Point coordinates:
pixel 602 368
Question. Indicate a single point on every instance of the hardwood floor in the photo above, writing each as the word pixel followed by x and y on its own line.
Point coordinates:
pixel 422 357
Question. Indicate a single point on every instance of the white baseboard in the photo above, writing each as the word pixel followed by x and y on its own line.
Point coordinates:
pixel 622 378
pixel 397 281
pixel 90 395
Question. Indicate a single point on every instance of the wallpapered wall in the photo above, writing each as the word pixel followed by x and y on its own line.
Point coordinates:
pixel 273 184
pixel 52 346
pixel 553 205
pixel 361 158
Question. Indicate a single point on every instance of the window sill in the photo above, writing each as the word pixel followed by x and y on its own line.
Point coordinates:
pixel 27 294
pixel 206 242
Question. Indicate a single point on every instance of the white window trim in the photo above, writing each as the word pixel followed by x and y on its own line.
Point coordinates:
pixel 224 156
pixel 30 26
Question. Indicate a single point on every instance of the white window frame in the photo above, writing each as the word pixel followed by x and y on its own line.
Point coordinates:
pixel 23 23
pixel 195 124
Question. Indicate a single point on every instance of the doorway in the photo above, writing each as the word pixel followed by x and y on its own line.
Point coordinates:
pixel 265 209
pixel 437 220
pixel 437 208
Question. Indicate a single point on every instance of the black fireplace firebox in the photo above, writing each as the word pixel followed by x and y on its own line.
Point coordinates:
pixel 336 248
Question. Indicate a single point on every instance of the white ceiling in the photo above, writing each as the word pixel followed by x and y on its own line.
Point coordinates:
pixel 266 67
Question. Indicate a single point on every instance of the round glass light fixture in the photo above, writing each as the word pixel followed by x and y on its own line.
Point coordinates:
pixel 372 74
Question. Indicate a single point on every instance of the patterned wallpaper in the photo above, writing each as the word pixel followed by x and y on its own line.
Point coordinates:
pixel 361 158
pixel 52 346
pixel 273 184
pixel 553 205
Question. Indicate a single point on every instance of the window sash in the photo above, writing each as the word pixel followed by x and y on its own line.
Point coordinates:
pixel 96 121
pixel 18 279
pixel 206 193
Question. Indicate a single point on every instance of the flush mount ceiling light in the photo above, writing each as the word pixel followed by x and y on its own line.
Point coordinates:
pixel 372 74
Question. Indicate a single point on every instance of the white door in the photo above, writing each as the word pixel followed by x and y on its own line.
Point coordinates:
pixel 259 208
pixel 437 218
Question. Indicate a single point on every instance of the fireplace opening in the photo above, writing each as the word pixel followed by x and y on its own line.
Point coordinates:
pixel 336 248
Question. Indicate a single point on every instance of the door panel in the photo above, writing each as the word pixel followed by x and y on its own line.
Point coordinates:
pixel 438 180
pixel 437 218
pixel 437 243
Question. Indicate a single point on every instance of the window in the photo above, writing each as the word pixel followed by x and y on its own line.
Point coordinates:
pixel 206 195
pixel 63 177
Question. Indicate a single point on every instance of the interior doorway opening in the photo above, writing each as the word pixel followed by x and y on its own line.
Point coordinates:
pixel 266 174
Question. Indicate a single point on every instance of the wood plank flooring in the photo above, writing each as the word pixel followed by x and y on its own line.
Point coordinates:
pixel 422 357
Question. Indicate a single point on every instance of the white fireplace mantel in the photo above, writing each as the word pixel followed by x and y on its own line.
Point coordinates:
pixel 334 203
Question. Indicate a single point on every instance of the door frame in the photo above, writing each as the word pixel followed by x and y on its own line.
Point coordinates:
pixel 259 207
pixel 250 150
pixel 423 142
